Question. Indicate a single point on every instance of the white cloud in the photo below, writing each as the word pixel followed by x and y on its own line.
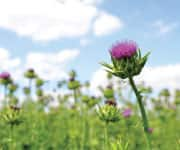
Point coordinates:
pixel 167 76
pixel 99 78
pixel 106 23
pixel 163 27
pixel 84 42
pixel 92 2
pixel 7 61
pixel 46 19
pixel 51 66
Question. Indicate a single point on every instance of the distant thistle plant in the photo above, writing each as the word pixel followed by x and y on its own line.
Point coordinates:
pixel 73 84
pixel 5 80
pixel 108 113
pixel 39 83
pixel 30 75
pixel 127 62
pixel 12 117
pixel 12 88
pixel 90 101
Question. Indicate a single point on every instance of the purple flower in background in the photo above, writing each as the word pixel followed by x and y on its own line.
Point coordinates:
pixel 4 75
pixel 123 49
pixel 127 113
pixel 150 130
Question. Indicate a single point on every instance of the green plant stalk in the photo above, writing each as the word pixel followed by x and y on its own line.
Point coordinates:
pixel 75 96
pixel 30 86
pixel 11 136
pixel 85 135
pixel 142 109
pixel 5 95
pixel 106 139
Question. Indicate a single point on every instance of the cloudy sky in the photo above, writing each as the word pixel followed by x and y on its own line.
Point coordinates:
pixel 54 36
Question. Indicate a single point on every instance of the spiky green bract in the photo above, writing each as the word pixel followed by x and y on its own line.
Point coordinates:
pixel 12 116
pixel 109 113
pixel 126 67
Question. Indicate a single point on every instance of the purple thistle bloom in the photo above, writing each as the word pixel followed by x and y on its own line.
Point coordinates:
pixel 124 49
pixel 127 113
pixel 4 75
pixel 150 130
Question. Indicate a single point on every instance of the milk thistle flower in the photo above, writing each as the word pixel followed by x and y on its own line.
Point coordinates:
pixel 127 62
pixel 124 49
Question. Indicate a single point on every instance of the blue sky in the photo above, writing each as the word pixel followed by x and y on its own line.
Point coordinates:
pixel 153 24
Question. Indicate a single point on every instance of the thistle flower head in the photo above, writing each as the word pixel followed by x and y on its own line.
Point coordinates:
pixel 5 75
pixel 123 49
pixel 127 113
pixel 126 60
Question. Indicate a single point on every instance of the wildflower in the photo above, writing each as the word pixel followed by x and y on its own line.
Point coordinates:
pixel 123 49
pixel 150 130
pixel 5 75
pixel 126 60
pixel 127 113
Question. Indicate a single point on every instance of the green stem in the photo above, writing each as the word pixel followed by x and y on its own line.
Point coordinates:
pixel 85 135
pixel 11 136
pixel 5 95
pixel 30 84
pixel 75 96
pixel 142 109
pixel 106 140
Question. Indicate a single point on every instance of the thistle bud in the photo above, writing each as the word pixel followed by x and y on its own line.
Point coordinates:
pixel 109 113
pixel 5 78
pixel 30 73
